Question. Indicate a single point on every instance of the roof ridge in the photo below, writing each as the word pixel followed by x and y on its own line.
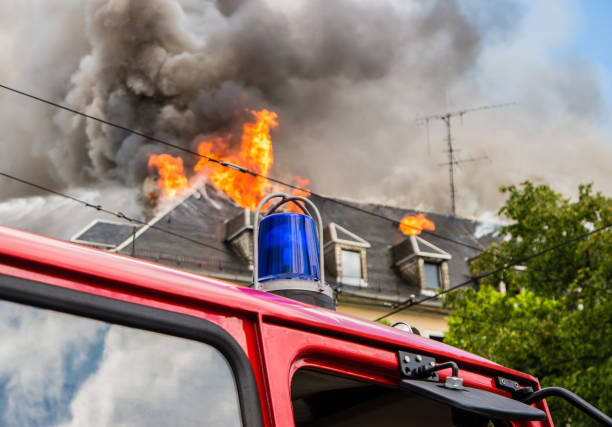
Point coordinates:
pixel 416 210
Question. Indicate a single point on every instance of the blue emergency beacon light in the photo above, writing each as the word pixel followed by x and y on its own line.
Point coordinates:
pixel 287 258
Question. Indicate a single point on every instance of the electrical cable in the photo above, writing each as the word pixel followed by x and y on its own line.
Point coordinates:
pixel 271 179
pixel 575 400
pixel 410 301
pixel 500 324
pixel 110 212
pixel 542 270
pixel 395 221
pixel 232 166
pixel 489 322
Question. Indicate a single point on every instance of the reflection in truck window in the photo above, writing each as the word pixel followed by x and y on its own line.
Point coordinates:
pixel 322 399
pixel 58 369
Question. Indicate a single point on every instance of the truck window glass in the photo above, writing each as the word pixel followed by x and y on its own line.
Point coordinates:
pixel 322 399
pixel 59 369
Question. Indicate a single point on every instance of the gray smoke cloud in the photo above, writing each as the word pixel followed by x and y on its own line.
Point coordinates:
pixel 348 79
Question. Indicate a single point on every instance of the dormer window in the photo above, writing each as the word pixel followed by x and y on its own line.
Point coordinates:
pixel 432 275
pixel 345 256
pixel 422 264
pixel 351 263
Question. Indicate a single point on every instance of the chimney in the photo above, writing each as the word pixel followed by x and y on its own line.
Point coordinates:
pixel 405 259
pixel 239 235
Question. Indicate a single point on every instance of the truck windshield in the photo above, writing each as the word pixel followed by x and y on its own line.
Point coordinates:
pixel 323 399
pixel 59 369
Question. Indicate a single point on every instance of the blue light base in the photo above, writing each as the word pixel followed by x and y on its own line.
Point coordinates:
pixel 305 291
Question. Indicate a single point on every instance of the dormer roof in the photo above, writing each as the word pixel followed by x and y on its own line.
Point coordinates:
pixel 335 233
pixel 423 248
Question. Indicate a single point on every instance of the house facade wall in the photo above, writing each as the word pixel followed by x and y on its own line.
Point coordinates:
pixel 426 321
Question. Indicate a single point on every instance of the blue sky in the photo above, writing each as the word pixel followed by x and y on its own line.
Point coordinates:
pixel 595 32
pixel 592 41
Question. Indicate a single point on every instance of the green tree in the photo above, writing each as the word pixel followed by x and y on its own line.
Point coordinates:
pixel 554 319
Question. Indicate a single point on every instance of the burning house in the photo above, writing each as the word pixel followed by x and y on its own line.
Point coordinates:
pixel 201 220
pixel 370 263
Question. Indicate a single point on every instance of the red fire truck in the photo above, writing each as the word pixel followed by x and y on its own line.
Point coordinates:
pixel 92 338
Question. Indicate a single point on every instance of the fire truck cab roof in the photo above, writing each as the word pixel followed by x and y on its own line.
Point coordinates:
pixel 119 340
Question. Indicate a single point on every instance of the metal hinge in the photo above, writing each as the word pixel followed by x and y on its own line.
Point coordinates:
pixel 413 365
pixel 512 387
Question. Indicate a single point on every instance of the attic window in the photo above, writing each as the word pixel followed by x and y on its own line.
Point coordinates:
pixel 351 264
pixel 345 256
pixel 432 275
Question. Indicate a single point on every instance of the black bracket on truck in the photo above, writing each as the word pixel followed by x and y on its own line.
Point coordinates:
pixel 422 379
pixel 513 388
pixel 416 365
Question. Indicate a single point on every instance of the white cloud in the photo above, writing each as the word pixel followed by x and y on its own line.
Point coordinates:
pixel 123 376
pixel 34 350
pixel 141 383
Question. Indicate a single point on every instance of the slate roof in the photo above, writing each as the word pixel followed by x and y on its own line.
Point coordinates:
pixel 383 282
pixel 201 216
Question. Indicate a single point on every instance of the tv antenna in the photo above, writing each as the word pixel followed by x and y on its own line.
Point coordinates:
pixel 452 161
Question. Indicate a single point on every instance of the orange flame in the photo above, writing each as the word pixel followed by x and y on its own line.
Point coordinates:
pixel 172 179
pixel 254 155
pixel 413 225
pixel 303 183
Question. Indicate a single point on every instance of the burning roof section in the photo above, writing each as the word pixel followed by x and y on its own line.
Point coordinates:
pixel 204 213
pixel 236 163
pixel 210 204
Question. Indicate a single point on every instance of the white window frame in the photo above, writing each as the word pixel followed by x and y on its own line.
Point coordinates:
pixel 351 280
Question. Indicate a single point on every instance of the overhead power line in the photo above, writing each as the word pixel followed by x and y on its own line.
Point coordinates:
pixel 503 325
pixel 238 167
pixel 120 215
pixel 244 170
pixel 410 301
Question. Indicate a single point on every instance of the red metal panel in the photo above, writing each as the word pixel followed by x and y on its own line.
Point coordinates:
pixel 287 350
pixel 97 270
pixel 293 335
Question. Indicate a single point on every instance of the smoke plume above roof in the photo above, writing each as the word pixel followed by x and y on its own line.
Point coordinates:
pixel 348 79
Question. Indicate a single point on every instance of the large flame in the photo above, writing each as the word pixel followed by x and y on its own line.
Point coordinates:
pixel 413 225
pixel 254 155
pixel 172 180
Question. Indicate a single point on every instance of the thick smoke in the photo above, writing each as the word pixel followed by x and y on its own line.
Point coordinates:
pixel 347 77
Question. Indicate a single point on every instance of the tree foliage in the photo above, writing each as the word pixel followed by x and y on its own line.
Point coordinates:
pixel 554 319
